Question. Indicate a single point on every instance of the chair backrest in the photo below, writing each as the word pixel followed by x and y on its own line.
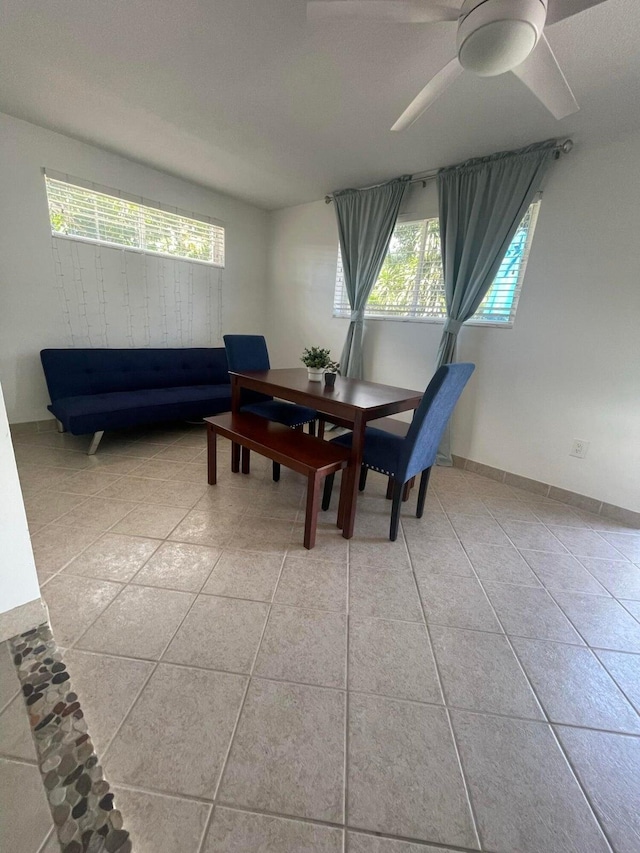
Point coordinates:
pixel 248 352
pixel 431 417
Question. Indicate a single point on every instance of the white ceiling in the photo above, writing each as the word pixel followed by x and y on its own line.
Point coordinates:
pixel 247 97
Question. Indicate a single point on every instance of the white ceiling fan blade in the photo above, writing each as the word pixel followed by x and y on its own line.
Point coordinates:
pixel 541 73
pixel 431 92
pixel 558 10
pixel 400 11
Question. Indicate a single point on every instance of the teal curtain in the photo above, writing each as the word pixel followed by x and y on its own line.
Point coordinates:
pixel 366 219
pixel 482 203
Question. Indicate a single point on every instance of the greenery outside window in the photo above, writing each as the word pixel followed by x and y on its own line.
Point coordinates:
pixel 411 287
pixel 85 214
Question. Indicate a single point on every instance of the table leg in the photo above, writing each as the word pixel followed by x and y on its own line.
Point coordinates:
pixel 212 444
pixel 352 472
pixel 235 457
pixel 235 408
pixel 314 483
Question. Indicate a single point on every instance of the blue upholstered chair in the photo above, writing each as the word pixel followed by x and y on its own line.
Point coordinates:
pixel 249 352
pixel 403 458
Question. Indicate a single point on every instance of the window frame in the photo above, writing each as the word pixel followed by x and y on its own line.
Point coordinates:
pixel 342 313
pixel 145 204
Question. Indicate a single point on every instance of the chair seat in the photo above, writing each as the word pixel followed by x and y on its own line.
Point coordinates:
pixel 289 414
pixel 381 449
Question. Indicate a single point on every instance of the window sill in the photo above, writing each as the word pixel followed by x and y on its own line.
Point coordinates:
pixel 434 321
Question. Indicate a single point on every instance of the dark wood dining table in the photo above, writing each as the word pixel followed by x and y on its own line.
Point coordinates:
pixel 351 401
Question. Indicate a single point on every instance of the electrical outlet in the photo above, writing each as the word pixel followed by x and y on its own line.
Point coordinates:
pixel 579 448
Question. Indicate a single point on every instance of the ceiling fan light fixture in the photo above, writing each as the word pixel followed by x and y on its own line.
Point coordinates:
pixel 495 36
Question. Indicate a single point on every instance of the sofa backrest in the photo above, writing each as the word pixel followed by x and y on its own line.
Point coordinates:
pixel 76 372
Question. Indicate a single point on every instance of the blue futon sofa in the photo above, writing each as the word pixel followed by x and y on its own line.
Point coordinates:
pixel 93 390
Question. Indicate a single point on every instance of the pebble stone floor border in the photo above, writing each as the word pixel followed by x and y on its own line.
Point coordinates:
pixel 79 797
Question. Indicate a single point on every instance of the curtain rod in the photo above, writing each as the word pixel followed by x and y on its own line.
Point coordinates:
pixel 424 177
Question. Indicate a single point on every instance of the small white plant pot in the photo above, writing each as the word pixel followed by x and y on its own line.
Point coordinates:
pixel 315 374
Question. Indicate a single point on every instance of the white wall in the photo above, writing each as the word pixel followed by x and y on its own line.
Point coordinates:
pixel 31 311
pixel 570 367
pixel 18 579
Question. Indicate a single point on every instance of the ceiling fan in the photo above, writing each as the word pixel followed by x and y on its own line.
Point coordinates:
pixel 494 36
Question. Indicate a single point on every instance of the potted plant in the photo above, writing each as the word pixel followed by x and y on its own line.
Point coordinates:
pixel 316 360
pixel 330 373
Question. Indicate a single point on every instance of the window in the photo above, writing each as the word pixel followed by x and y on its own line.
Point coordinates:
pixel 410 285
pixel 85 214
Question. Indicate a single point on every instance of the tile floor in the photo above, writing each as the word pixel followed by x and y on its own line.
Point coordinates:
pixel 473 686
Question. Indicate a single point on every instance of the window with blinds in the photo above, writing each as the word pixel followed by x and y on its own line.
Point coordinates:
pixel 85 214
pixel 411 287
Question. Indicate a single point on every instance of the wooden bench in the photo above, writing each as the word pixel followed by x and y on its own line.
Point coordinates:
pixel 303 453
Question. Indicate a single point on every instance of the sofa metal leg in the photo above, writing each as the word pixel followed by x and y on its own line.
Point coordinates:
pixel 60 426
pixel 95 441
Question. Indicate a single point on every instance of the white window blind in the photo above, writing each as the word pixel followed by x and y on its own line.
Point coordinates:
pixel 411 287
pixel 86 214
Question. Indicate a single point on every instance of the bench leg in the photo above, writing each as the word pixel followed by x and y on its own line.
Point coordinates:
pixel 212 448
pixel 95 441
pixel 60 426
pixel 276 472
pixel 246 460
pixel 235 458
pixel 328 488
pixel 344 496
pixel 314 482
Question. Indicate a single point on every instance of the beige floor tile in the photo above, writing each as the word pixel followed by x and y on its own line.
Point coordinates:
pixel 204 528
pixel 457 602
pixel 182 712
pixel 308 646
pixel 219 633
pixel 16 740
pixel 387 593
pixel 97 513
pixel 176 565
pixel 107 687
pixel 178 453
pixel 176 493
pixel 191 472
pixel 162 824
pixel 434 524
pixel 151 520
pixel 235 831
pixel 558 514
pixel 530 612
pixel 227 500
pixel 563 572
pixel 113 463
pixel 130 625
pixel 535 537
pixel 9 683
pixel 627 544
pixel 135 449
pixel 475 528
pixel 624 668
pixel 129 488
pixel 439 556
pixel 500 563
pixel 74 603
pixel 52 845
pixel 360 842
pixel 619 577
pixel 574 688
pixel 392 659
pixel 404 777
pixel 89 482
pixel 35 478
pixel 307 582
pixel 113 557
pixel 245 574
pixel 55 546
pixel 22 793
pixel 301 771
pixel 379 552
pixel 155 469
pixel 480 672
pixel 523 791
pixel 633 607
pixel 585 543
pixel 502 510
pixel 52 457
pixel 330 545
pixel 608 765
pixel 602 621
pixel 48 505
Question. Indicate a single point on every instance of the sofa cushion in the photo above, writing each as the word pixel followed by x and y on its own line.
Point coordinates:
pixel 76 372
pixel 121 409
